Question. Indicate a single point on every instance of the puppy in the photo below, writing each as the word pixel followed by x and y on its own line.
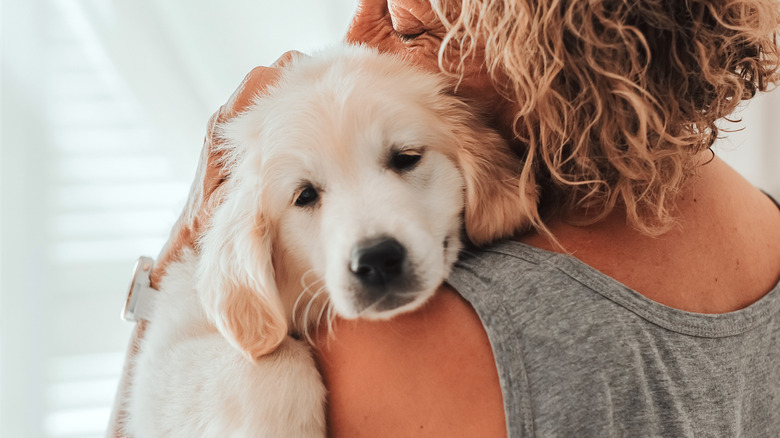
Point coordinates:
pixel 351 180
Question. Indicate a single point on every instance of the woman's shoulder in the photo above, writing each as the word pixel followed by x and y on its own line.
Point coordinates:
pixel 430 372
pixel 722 255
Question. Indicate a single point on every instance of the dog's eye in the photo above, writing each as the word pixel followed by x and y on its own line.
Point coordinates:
pixel 307 196
pixel 405 160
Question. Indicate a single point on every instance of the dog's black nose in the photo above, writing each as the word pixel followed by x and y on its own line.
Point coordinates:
pixel 378 262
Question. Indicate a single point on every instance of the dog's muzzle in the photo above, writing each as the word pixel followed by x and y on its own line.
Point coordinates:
pixel 384 278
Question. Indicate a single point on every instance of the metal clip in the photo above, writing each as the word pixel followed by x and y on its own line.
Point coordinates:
pixel 140 295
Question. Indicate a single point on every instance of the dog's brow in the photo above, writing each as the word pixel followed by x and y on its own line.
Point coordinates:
pixel 410 148
pixel 303 183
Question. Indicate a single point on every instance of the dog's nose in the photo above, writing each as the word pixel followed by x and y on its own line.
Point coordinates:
pixel 376 263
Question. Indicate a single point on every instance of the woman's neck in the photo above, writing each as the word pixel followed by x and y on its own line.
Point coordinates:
pixel 722 254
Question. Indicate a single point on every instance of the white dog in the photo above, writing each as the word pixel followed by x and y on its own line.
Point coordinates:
pixel 350 182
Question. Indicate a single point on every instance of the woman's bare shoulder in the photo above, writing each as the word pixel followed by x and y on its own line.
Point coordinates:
pixel 429 373
pixel 722 255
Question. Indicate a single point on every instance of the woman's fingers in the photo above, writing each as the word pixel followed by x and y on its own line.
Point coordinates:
pixel 286 57
pixel 255 84
pixel 212 171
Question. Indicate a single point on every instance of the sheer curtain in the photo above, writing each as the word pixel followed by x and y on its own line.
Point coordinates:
pixel 103 104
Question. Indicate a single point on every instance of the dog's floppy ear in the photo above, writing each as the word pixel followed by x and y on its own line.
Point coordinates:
pixel 236 278
pixel 499 201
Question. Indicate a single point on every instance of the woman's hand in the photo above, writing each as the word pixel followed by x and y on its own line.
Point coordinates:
pixel 205 194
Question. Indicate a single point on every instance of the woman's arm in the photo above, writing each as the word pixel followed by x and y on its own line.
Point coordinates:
pixel 428 373
pixel 431 372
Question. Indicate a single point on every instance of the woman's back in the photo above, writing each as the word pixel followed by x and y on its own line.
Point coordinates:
pixel 722 255
pixel 579 354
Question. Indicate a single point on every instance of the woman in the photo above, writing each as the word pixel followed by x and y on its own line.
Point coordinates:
pixel 645 301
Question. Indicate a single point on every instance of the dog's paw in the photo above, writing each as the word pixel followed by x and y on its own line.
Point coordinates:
pixel 205 388
pixel 287 397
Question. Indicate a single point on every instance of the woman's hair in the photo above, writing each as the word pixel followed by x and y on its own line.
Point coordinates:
pixel 615 98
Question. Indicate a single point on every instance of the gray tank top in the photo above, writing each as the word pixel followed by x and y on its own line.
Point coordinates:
pixel 580 355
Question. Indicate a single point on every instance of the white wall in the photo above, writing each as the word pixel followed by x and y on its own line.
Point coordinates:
pixel 753 148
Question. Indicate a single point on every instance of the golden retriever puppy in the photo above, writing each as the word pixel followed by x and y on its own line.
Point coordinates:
pixel 353 182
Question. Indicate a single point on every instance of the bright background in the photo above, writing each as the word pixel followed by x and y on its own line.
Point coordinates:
pixel 103 105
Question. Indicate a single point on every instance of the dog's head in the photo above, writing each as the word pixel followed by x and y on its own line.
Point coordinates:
pixel 353 173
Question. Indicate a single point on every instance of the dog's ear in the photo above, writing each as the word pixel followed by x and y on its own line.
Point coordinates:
pixel 236 278
pixel 500 201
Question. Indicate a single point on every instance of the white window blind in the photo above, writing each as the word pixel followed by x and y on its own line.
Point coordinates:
pixel 103 108
pixel 99 190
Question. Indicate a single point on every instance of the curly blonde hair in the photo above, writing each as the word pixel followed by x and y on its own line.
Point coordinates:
pixel 615 98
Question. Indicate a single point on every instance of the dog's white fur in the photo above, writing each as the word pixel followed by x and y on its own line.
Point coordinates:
pixel 190 382
pixel 218 359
